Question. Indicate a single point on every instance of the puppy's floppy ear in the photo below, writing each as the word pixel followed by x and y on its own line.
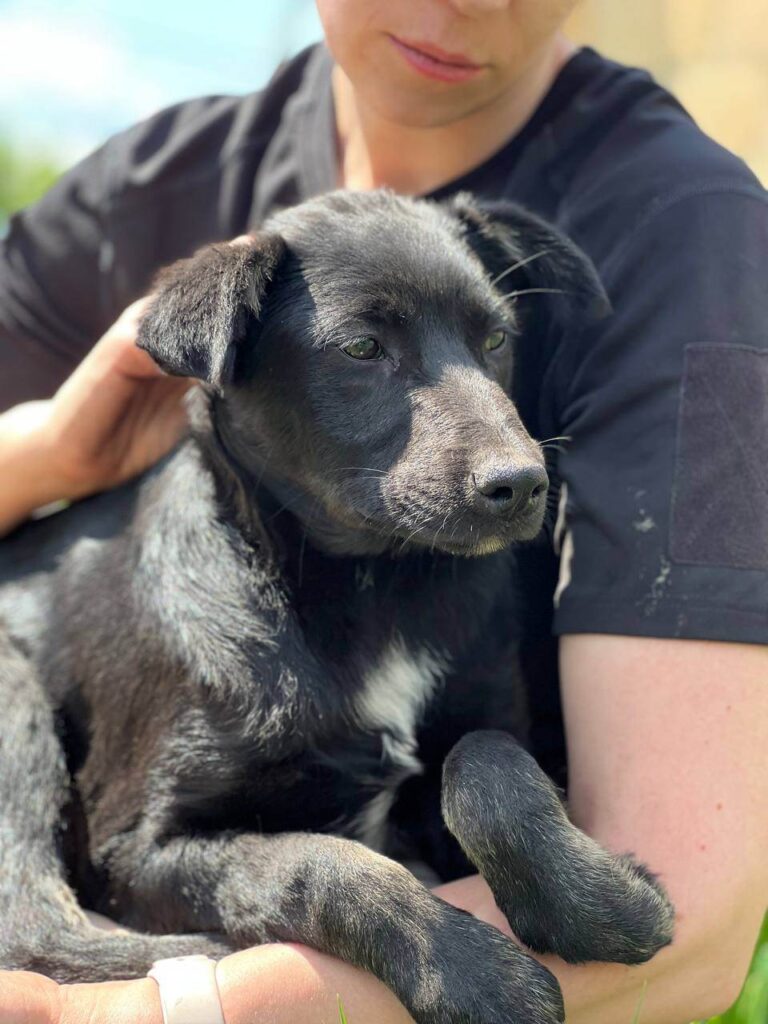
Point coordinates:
pixel 203 306
pixel 521 251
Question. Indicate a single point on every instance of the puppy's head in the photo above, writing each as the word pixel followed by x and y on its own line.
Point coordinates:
pixel 358 353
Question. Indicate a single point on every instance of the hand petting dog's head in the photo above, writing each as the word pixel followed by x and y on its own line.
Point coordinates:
pixel 358 352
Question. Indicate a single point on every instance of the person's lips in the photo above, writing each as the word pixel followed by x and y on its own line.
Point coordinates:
pixel 433 62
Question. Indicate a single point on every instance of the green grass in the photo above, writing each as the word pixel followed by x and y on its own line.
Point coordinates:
pixel 752 1005
pixel 640 1001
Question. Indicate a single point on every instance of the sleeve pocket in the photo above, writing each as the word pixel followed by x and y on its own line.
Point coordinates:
pixel 720 494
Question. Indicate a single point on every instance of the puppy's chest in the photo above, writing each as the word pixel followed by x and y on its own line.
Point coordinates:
pixel 385 664
pixel 386 708
pixel 386 640
pixel 346 780
pixel 387 694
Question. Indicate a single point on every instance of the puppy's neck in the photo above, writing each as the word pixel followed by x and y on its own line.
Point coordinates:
pixel 271 513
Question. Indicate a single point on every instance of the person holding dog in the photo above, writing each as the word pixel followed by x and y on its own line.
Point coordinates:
pixel 657 605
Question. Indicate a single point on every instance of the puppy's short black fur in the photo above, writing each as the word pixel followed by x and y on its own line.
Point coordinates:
pixel 213 680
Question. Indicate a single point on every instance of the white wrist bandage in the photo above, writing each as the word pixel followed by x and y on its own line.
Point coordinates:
pixel 188 990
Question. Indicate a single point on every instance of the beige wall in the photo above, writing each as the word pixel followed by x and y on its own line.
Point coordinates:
pixel 713 54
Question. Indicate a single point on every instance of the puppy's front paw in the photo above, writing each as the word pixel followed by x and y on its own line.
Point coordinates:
pixel 597 908
pixel 475 975
pixel 560 891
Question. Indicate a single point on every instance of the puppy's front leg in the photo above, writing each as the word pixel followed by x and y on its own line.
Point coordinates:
pixel 560 891
pixel 341 898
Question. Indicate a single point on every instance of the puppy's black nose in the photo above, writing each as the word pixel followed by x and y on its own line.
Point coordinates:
pixel 507 490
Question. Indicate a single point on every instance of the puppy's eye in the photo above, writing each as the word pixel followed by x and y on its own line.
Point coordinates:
pixel 363 348
pixel 494 340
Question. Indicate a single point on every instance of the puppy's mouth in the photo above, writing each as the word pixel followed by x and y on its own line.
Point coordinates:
pixel 471 541
pixel 462 533
pixel 475 549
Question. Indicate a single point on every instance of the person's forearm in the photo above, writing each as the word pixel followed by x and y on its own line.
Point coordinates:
pixel 669 987
pixel 27 465
pixel 692 978
pixel 666 742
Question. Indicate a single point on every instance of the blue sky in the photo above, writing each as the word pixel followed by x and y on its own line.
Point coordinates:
pixel 73 72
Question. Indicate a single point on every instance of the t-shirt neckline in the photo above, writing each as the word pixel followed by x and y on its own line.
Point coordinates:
pixel 317 145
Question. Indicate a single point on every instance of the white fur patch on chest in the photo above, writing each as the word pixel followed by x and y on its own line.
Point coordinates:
pixel 394 695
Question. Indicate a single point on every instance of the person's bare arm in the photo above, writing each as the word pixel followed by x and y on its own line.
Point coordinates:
pixel 666 743
pixel 114 417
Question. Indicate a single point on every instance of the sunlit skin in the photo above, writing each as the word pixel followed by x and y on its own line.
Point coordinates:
pixel 401 121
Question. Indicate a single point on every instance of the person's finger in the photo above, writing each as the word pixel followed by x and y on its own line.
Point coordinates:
pixel 116 351
pixel 127 324
pixel 119 344
pixel 27 998
pixel 292 984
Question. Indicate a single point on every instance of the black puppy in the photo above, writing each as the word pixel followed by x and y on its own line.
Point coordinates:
pixel 238 649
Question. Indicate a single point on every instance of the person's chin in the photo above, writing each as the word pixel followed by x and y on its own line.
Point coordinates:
pixel 403 98
pixel 410 109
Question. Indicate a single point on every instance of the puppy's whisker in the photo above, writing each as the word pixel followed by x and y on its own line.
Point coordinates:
pixel 301 556
pixel 264 466
pixel 369 476
pixel 439 531
pixel 418 528
pixel 535 291
pixel 276 513
pixel 456 525
pixel 419 519
pixel 520 263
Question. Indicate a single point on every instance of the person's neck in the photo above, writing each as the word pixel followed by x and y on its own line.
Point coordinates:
pixel 371 148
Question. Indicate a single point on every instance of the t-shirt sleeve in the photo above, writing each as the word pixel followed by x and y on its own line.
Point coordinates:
pixel 663 526
pixel 52 282
pixel 73 261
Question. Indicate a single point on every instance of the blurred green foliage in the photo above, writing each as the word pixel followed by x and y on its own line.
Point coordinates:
pixel 24 176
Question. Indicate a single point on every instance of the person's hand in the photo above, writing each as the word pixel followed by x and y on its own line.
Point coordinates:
pixel 282 984
pixel 115 416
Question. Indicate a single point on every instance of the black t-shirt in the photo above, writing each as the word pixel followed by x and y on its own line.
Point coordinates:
pixel 663 525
